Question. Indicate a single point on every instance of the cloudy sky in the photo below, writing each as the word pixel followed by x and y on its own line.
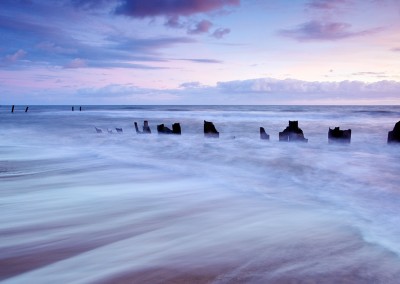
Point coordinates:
pixel 200 52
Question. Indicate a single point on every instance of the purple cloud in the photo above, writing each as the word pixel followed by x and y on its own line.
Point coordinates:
pixel 202 60
pixel 293 86
pixel 76 63
pixel 152 8
pixel 174 22
pixel 220 33
pixel 12 58
pixel 396 49
pixel 315 30
pixel 201 27
pixel 325 4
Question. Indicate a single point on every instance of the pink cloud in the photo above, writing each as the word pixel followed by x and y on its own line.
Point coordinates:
pixel 325 4
pixel 12 58
pixel 201 27
pixel 316 30
pixel 220 33
pixel 76 63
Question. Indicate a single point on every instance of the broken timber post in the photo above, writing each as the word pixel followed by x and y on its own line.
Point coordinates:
pixel 292 133
pixel 146 128
pixel 263 134
pixel 394 135
pixel 339 136
pixel 162 129
pixel 210 130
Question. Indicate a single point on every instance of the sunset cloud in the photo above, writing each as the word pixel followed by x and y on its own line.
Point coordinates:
pixel 325 4
pixel 152 8
pixel 317 30
pixel 220 33
pixel 201 27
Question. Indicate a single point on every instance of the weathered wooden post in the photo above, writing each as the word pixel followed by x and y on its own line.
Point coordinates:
pixel 176 128
pixel 162 129
pixel 210 130
pixel 80 108
pixel 263 134
pixel 339 136
pixel 146 128
pixel 292 133
pixel 72 108
pixel 394 135
pixel 12 109
pixel 26 109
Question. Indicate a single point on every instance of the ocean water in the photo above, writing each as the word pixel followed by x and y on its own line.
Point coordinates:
pixel 78 206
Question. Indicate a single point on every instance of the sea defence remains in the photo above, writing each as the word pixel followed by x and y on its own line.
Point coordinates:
pixel 292 133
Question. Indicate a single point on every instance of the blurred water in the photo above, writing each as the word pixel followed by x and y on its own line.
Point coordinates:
pixel 82 207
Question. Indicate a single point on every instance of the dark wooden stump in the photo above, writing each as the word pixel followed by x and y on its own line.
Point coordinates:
pixel 263 134
pixel 394 135
pixel 26 109
pixel 339 136
pixel 210 130
pixel 12 108
pixel 146 128
pixel 162 129
pixel 119 130
pixel 292 133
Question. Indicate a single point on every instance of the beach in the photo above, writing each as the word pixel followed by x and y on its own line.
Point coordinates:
pixel 84 207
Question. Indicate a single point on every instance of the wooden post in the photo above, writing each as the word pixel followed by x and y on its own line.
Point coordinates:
pixel 12 109
pixel 26 109
pixel 72 108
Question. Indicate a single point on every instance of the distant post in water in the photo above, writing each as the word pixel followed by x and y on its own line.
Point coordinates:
pixel 394 135
pixel 12 108
pixel 146 128
pixel 292 133
pixel 339 136
pixel 72 108
pixel 210 130
pixel 26 109
pixel 80 108
pixel 263 134
pixel 176 129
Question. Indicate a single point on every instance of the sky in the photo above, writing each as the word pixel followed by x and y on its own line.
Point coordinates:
pixel 200 52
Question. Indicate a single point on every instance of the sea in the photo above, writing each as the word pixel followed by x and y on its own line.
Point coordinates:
pixel 77 206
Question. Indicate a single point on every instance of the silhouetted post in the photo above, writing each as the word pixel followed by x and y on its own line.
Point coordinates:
pixel 137 128
pixel 176 128
pixel 80 108
pixel 210 130
pixel 162 129
pixel 339 136
pixel 146 127
pixel 72 108
pixel 12 109
pixel 263 134
pixel 26 109
pixel 292 133
pixel 394 135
